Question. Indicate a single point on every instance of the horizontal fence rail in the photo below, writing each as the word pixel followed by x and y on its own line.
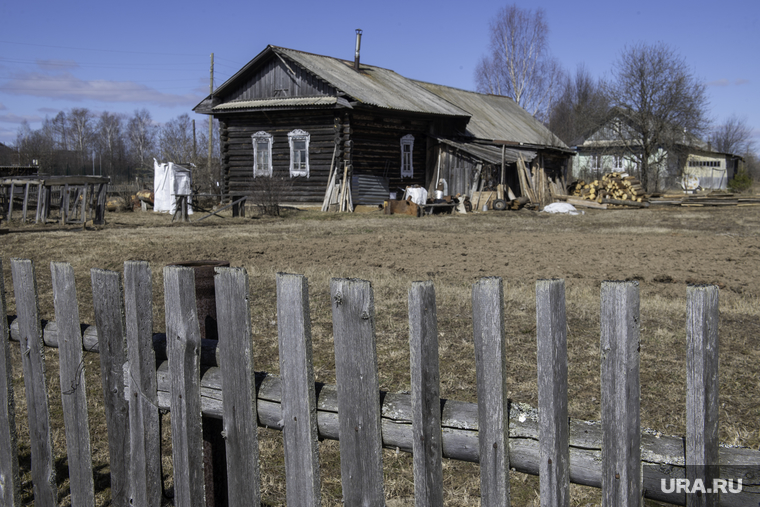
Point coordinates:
pixel 144 372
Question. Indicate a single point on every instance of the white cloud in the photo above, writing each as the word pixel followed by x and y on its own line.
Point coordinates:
pixel 741 81
pixel 66 86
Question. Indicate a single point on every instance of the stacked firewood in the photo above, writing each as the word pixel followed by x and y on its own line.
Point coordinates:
pixel 612 187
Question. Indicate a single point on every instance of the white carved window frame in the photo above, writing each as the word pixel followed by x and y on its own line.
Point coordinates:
pixel 266 168
pixel 302 169
pixel 407 149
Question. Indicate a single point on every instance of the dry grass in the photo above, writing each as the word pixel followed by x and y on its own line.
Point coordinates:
pixel 664 250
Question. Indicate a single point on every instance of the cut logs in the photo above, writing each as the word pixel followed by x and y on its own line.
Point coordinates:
pixel 616 188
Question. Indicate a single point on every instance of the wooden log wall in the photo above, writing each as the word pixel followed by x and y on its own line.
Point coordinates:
pixel 324 128
pixel 494 432
pixel 376 140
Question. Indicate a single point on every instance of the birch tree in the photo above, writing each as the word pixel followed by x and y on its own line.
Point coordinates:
pixel 518 63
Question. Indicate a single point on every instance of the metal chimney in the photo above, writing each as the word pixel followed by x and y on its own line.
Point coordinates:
pixel 358 47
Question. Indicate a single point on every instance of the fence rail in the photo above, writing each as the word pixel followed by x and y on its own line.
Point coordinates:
pixel 143 373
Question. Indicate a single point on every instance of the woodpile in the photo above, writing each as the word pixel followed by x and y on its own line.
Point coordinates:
pixel 613 188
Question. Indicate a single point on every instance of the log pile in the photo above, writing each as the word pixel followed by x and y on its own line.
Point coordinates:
pixel 615 188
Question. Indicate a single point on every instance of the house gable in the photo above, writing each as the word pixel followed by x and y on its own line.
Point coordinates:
pixel 276 78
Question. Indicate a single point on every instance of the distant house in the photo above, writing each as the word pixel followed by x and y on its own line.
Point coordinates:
pixel 297 114
pixel 603 152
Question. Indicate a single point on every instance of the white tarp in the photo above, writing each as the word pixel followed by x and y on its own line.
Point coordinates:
pixel 418 195
pixel 562 207
pixel 169 181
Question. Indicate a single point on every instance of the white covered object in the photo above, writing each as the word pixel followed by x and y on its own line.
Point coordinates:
pixel 562 207
pixel 169 181
pixel 418 195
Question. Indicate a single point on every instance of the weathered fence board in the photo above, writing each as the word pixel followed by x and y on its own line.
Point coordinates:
pixel 621 418
pixel 493 405
pixel 361 459
pixel 426 403
pixel 551 338
pixel 35 383
pixel 542 441
pixel 299 400
pixel 73 385
pixel 10 482
pixel 144 425
pixel 702 389
pixel 108 303
pixel 238 379
pixel 183 338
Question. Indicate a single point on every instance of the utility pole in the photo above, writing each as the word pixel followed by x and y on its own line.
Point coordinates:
pixel 211 117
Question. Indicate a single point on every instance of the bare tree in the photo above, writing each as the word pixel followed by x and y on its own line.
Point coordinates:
pixel 518 63
pixel 733 136
pixel 81 132
pixel 176 140
pixel 660 105
pixel 108 135
pixel 142 137
pixel 580 108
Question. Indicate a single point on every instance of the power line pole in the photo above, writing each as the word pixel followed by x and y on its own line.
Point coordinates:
pixel 211 117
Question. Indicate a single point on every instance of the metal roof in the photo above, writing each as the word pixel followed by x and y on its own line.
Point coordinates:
pixel 488 152
pixel 496 117
pixel 284 102
pixel 373 86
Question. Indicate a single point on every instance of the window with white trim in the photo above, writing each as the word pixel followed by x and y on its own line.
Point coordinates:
pixel 617 162
pixel 299 153
pixel 262 154
pixel 407 148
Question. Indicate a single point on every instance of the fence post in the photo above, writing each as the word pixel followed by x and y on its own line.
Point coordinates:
pixel 73 385
pixel 361 459
pixel 10 492
pixel 144 424
pixel 702 388
pixel 239 386
pixel 493 405
pixel 108 304
pixel 426 402
pixel 553 422
pixel 299 405
pixel 35 383
pixel 621 418
pixel 183 343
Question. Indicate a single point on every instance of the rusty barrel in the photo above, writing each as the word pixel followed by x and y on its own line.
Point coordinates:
pixel 214 451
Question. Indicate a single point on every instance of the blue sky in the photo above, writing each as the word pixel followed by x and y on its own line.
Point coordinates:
pixel 123 56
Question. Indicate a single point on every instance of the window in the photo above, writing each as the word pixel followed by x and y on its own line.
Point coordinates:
pixel 299 153
pixel 617 162
pixel 407 147
pixel 262 154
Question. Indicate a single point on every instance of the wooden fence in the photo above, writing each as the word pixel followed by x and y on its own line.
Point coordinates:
pixel 143 373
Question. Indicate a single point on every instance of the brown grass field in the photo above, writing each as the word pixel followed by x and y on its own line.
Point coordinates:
pixel 664 249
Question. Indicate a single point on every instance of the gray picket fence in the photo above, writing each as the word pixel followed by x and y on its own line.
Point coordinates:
pixel 143 373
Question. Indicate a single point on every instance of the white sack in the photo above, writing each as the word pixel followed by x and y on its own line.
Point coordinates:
pixel 170 180
pixel 418 195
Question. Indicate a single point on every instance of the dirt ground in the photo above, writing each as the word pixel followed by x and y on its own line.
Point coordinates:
pixel 664 249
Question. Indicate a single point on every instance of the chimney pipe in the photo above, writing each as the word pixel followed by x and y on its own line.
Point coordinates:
pixel 358 47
